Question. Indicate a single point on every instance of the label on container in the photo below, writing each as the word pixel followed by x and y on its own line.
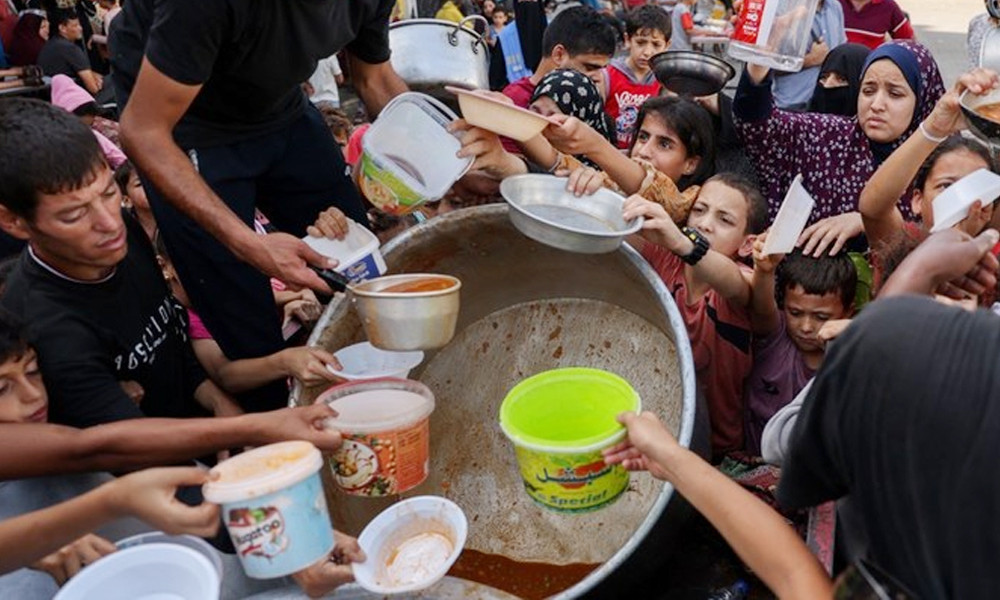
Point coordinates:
pixel 570 482
pixel 385 191
pixel 383 464
pixel 366 268
pixel 755 22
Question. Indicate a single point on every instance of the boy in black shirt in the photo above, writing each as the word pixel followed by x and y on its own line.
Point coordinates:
pixel 88 286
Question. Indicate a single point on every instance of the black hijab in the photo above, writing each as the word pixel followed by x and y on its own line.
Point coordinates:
pixel 903 423
pixel 848 60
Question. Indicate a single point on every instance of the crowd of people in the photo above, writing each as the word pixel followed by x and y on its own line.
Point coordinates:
pixel 153 210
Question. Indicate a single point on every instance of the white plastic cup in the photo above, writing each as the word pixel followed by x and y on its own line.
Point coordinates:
pixel 364 361
pixel 188 541
pixel 411 545
pixel 146 572
pixel 273 507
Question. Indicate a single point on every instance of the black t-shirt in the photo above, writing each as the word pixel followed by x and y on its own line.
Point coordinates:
pixel 92 336
pixel 60 56
pixel 250 56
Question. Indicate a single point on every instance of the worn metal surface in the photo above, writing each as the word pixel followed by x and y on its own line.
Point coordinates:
pixel 526 308
pixel 429 54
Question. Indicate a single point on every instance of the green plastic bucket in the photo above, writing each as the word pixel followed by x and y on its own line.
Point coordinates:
pixel 559 421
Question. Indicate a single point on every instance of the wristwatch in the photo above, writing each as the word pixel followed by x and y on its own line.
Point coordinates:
pixel 701 246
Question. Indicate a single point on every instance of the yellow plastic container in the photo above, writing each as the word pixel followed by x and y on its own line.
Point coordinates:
pixel 560 421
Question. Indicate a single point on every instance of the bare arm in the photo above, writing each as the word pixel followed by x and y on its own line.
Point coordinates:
pixel 719 272
pixel 764 318
pixel 91 80
pixel 154 109
pixel 138 443
pixel 377 84
pixel 574 136
pixel 758 534
pixel 306 364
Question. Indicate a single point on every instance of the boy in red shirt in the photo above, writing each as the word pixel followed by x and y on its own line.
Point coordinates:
pixel 630 81
pixel 868 21
pixel 712 290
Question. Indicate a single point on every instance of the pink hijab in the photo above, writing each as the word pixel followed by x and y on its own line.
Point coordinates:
pixel 67 95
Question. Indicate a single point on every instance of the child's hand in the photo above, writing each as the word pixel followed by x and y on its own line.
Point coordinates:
pixel 308 364
pixel 306 308
pixel 150 495
pixel 307 423
pixel 331 223
pixel 765 263
pixel 584 181
pixel 831 330
pixel 658 227
pixel 979 217
pixel 572 135
pixel 488 154
pixel 68 560
pixel 646 435
pixel 331 571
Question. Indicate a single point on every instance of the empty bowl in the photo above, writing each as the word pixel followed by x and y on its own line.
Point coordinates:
pixel 498 116
pixel 691 73
pixel 364 361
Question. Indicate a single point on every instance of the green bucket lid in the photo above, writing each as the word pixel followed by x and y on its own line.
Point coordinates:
pixel 567 409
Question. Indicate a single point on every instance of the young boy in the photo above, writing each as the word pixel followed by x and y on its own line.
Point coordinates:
pixel 787 346
pixel 712 291
pixel 630 81
pixel 682 20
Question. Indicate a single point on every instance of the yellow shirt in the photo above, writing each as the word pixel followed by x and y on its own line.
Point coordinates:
pixel 449 12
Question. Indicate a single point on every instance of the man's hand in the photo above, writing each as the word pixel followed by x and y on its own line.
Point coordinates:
pixel 950 262
pixel 816 55
pixel 307 423
pixel 150 495
pixel 68 560
pixel 287 258
pixel 332 571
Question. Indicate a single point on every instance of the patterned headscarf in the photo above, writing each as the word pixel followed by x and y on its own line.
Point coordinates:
pixel 576 95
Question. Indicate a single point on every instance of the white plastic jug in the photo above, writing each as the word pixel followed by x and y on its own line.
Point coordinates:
pixel 774 33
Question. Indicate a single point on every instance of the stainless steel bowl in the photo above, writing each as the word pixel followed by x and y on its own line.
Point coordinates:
pixel 407 320
pixel 691 73
pixel 986 129
pixel 545 211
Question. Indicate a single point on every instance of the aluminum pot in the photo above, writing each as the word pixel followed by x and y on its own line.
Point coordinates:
pixel 404 321
pixel 432 53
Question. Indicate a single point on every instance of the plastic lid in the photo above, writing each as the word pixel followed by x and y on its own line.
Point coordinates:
pixel 567 409
pixel 262 471
pixel 378 405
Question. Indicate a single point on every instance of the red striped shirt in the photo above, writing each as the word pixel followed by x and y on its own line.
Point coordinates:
pixel 870 25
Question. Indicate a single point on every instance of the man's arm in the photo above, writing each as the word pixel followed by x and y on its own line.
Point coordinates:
pixel 377 84
pixel 91 80
pixel 138 443
pixel 155 107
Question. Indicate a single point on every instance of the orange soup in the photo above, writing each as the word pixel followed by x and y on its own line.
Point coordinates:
pixel 990 111
pixel 426 284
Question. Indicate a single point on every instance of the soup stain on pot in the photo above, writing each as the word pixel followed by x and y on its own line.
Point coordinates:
pixel 528 580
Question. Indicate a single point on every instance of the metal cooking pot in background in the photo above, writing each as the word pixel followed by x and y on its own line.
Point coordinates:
pixel 431 53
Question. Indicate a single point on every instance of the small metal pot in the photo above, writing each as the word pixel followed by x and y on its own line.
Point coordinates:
pixel 986 129
pixel 542 209
pixel 405 321
pixel 431 53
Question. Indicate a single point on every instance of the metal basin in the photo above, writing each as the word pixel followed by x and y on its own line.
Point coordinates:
pixel 526 308
pixel 986 129
pixel 691 73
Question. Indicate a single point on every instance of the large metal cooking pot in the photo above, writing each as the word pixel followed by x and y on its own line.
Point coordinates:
pixel 431 53
pixel 526 308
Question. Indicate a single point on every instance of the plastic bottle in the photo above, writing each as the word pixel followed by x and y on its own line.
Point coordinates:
pixel 774 33
pixel 737 591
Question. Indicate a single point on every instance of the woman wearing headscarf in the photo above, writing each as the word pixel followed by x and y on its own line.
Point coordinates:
pixel 836 155
pixel 30 34
pixel 839 81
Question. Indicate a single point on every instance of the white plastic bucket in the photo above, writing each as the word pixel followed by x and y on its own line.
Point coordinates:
pixel 408 157
pixel 364 361
pixel 357 254
pixel 146 572
pixel 274 508
pixel 411 545
pixel 188 541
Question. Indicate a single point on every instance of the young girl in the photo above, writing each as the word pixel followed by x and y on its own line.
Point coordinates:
pixel 134 197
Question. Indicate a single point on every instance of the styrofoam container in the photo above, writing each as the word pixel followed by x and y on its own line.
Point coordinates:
pixel 791 219
pixel 188 541
pixel 953 204
pixel 274 508
pixel 358 254
pixel 146 572
pixel 364 361
pixel 411 545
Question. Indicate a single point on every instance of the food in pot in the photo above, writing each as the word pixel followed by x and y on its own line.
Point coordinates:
pixel 990 111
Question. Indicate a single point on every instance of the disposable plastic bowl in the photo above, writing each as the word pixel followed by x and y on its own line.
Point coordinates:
pixel 559 422
pixel 392 540
pixel 358 254
pixel 385 424
pixel 146 572
pixel 273 507
pixel 363 361
pixel 188 541
pixel 403 321
pixel 498 116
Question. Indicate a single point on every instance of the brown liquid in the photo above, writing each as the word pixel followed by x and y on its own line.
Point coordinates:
pixel 990 111
pixel 428 284
pixel 528 580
